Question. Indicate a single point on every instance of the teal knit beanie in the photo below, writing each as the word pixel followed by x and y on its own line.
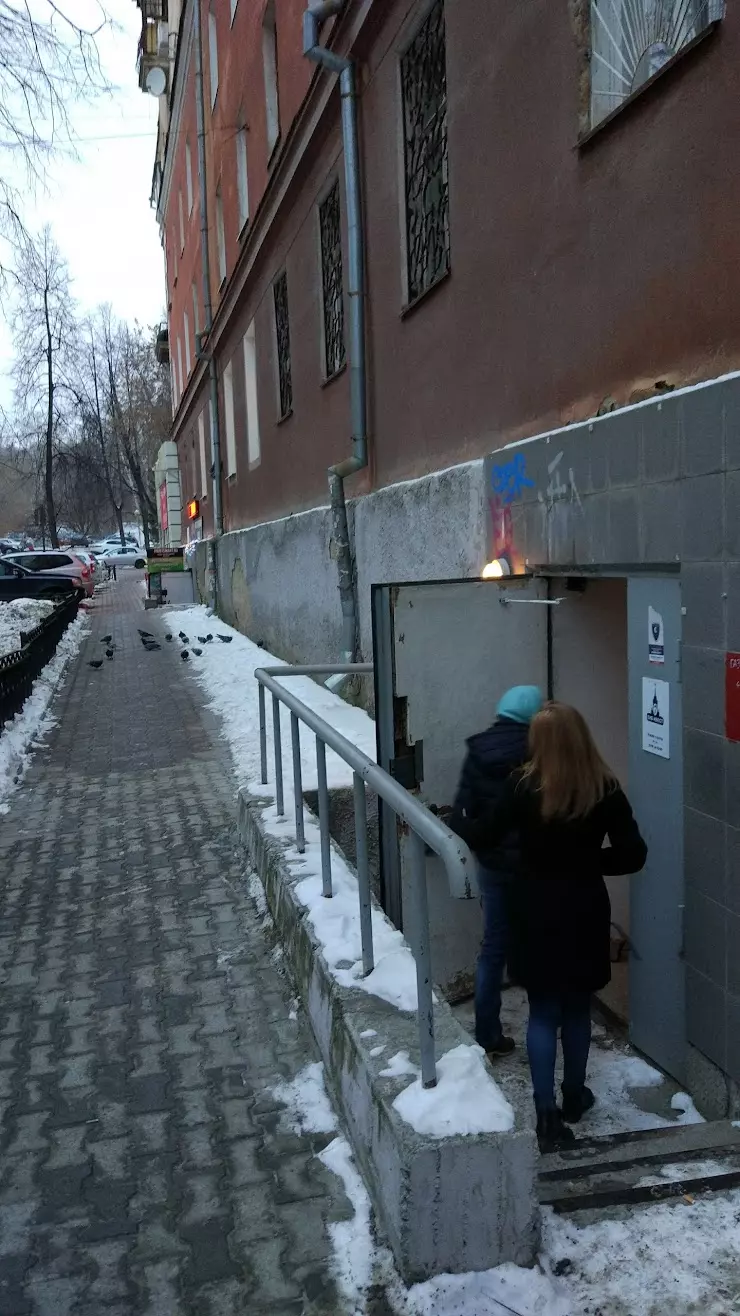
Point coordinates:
pixel 520 703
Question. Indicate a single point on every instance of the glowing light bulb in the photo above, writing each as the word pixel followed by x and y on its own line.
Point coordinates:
pixel 496 569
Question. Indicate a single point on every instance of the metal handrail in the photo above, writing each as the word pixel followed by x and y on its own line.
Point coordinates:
pixel 425 829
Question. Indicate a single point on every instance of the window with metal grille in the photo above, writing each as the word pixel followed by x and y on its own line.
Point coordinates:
pixel 282 339
pixel 424 93
pixel 632 40
pixel 330 229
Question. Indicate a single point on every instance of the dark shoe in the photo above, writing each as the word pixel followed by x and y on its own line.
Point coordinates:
pixel 503 1047
pixel 552 1133
pixel 575 1104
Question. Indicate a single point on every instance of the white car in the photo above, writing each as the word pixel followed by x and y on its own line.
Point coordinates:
pixel 130 556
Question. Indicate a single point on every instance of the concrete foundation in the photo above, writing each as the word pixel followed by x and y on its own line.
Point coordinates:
pixel 446 1205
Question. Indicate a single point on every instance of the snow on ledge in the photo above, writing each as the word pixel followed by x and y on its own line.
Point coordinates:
pixel 466 1099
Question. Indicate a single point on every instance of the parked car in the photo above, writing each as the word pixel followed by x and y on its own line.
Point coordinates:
pixel 78 541
pixel 124 557
pixel 18 582
pixel 91 560
pixel 59 563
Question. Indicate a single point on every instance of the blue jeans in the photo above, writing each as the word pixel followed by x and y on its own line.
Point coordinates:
pixel 571 1013
pixel 489 973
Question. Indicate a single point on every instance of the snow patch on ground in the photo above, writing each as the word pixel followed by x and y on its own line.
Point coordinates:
pixel 465 1100
pixel 611 1075
pixel 26 730
pixel 226 673
pixel 308 1107
pixel 398 1065
pixel 351 1239
pixel 21 615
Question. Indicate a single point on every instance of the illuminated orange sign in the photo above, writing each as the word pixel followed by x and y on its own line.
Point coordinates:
pixel 193 509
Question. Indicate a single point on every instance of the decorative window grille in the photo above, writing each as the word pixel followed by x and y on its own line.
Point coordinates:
pixel 282 336
pixel 331 277
pixel 424 92
pixel 631 41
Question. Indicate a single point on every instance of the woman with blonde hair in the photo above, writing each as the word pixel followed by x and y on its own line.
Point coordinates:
pixel 563 805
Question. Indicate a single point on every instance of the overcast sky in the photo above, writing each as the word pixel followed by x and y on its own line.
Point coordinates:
pixel 98 206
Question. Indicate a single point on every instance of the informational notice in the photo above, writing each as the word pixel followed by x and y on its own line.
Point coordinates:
pixel 656 717
pixel 656 638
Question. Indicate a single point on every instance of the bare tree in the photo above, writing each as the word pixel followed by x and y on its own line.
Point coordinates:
pixel 90 387
pixel 43 328
pixel 48 60
pixel 140 408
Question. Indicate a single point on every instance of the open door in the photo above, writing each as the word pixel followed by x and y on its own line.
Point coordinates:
pixel 444 654
pixel 657 974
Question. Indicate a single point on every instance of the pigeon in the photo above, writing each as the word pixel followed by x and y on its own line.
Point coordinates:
pixel 96 662
pixel 109 653
pixel 260 644
pixel 184 655
pixel 183 636
pixel 146 635
pixel 208 639
pixel 197 652
pixel 201 639
pixel 168 636
pixel 106 639
pixel 226 639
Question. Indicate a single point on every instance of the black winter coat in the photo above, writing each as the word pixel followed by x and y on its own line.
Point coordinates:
pixel 491 758
pixel 559 905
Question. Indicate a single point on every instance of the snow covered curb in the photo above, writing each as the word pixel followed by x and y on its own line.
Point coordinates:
pixel 427 1172
pixel 25 731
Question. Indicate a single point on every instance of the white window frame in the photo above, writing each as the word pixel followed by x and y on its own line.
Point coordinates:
pixel 196 314
pixel 242 175
pixel 202 450
pixel 254 442
pixel 189 176
pixel 213 55
pixel 186 332
pixel 229 419
pixel 179 365
pixel 220 237
pixel 270 69
pixel 182 221
pixel 233 4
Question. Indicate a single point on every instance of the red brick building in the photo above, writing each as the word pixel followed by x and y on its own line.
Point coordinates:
pixel 549 201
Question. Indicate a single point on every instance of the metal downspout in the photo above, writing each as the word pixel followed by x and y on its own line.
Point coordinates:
pixel 218 523
pixel 314 16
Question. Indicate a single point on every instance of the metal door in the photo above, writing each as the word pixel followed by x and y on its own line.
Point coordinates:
pixel 657 979
pixel 444 654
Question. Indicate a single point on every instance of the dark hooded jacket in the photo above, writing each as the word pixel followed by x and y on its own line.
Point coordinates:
pixel 491 758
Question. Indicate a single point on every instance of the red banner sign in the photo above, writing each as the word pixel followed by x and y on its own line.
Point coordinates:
pixel 163 517
pixel 732 696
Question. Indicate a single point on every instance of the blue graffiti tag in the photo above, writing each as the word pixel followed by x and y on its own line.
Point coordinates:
pixel 509 480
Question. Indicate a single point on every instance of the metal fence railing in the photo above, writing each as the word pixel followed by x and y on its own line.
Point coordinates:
pixel 20 667
pixel 425 829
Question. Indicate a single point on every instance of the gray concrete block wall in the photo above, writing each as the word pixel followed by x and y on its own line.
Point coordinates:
pixel 659 484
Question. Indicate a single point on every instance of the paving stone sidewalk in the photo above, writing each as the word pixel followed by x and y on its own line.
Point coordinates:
pixel 144 1162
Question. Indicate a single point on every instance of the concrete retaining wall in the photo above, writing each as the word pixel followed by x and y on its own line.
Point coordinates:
pixel 278 581
pixel 446 1205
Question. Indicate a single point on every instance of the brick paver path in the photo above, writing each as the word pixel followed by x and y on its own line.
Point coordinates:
pixel 145 1166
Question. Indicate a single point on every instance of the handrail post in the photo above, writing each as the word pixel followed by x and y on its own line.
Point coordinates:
pixel 295 739
pixel 323 818
pixel 363 876
pixel 423 961
pixel 278 747
pixel 263 733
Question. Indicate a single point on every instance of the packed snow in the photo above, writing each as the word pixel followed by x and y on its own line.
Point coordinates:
pixel 19 615
pixel 226 673
pixel 611 1075
pixel 465 1100
pixel 308 1107
pixel 26 730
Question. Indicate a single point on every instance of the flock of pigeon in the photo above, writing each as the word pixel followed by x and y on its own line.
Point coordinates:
pixel 151 644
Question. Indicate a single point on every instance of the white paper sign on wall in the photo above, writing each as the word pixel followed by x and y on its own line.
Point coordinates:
pixel 656 638
pixel 656 717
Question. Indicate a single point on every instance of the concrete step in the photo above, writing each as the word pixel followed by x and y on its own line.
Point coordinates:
pixel 646 1166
